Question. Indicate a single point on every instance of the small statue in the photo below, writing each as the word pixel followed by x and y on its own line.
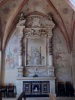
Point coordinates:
pixel 22 17
pixel 22 20
pixel 50 16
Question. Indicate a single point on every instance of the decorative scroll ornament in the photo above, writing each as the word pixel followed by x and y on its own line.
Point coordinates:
pixel 37 25
pixel 35 32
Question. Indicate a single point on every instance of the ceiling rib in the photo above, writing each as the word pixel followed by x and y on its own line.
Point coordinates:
pixel 71 3
pixel 3 2
pixel 65 34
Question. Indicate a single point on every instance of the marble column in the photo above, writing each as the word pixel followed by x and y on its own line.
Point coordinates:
pixel 50 63
pixel 50 55
pixel 20 68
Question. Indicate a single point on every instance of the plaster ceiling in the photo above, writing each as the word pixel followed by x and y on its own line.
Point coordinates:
pixel 71 3
pixel 62 13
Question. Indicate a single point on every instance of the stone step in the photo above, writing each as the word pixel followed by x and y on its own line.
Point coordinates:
pixel 65 98
pixel 42 98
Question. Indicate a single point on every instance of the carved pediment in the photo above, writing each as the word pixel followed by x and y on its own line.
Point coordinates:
pixel 34 25
pixel 35 32
pixel 38 21
pixel 38 25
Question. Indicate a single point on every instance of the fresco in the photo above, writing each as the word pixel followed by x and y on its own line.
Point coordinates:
pixel 36 54
pixel 12 52
pixel 34 57
pixel 12 5
pixel 60 52
pixel 61 58
pixel 7 10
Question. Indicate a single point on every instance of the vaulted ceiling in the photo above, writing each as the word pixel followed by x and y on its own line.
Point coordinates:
pixel 62 13
pixel 71 3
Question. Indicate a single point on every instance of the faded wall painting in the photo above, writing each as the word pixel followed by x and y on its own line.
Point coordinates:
pixel 11 58
pixel 11 53
pixel 61 57
pixel 36 54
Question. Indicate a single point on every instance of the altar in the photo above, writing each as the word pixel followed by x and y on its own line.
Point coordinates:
pixel 35 56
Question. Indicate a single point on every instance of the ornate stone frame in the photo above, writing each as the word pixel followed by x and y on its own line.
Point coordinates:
pixel 35 29
pixel 31 30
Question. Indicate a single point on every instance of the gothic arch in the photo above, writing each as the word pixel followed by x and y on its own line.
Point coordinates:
pixel 61 24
